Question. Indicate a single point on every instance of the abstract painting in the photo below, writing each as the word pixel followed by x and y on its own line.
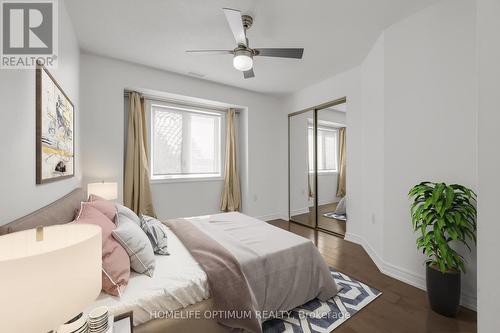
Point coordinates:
pixel 54 130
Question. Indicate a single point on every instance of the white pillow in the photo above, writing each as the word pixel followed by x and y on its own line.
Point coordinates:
pixel 133 239
pixel 341 207
pixel 125 211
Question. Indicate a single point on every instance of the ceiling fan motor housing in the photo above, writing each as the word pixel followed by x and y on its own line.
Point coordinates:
pixel 240 51
pixel 247 21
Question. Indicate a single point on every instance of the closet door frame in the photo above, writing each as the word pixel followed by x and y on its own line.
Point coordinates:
pixel 315 110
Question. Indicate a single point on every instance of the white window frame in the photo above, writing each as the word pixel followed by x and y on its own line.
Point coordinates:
pixel 174 178
pixel 326 127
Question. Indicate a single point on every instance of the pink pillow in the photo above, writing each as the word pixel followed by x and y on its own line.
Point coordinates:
pixel 115 260
pixel 104 206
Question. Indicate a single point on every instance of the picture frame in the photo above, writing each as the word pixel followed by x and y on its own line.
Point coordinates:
pixel 55 129
pixel 124 323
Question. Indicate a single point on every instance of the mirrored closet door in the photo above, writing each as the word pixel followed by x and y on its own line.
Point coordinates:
pixel 331 168
pixel 317 167
pixel 302 197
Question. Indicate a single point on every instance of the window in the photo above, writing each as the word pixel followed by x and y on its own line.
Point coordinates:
pixel 185 142
pixel 327 148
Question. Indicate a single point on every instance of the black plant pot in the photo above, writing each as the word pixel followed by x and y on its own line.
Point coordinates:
pixel 443 291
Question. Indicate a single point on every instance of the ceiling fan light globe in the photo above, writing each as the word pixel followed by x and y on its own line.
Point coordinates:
pixel 242 62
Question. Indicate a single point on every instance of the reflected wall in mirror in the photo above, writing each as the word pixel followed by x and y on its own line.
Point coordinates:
pixel 331 188
pixel 302 187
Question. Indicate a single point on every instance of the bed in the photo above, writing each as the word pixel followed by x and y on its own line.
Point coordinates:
pixel 218 262
pixel 177 283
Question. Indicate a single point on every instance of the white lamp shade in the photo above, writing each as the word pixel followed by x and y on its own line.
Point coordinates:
pixel 108 191
pixel 242 62
pixel 46 283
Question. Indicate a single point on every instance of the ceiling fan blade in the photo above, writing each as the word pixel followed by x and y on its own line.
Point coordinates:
pixel 210 51
pixel 248 74
pixel 235 22
pixel 281 53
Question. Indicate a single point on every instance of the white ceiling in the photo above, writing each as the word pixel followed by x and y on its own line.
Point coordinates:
pixel 339 108
pixel 336 35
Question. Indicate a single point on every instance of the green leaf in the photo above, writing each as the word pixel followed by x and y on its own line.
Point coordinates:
pixel 439 207
pixel 443 214
pixel 438 190
pixel 450 195
pixel 440 223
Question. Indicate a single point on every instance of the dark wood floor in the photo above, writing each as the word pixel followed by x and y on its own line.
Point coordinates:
pixel 327 223
pixel 401 308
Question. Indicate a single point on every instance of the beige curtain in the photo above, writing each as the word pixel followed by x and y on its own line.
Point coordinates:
pixel 310 181
pixel 310 177
pixel 231 197
pixel 342 160
pixel 136 192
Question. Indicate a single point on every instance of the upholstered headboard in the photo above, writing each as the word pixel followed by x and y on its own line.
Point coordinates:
pixel 59 212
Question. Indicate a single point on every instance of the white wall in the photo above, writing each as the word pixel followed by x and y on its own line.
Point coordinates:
pixel 327 182
pixel 20 195
pixel 430 120
pixel 372 144
pixel 344 85
pixel 299 164
pixel 488 24
pixel 263 176
pixel 411 117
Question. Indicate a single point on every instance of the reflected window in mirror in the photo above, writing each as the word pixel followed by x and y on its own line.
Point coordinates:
pixel 328 147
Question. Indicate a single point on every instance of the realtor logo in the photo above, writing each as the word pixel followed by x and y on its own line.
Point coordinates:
pixel 29 34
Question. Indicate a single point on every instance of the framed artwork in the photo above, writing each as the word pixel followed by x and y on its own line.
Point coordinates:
pixel 55 129
pixel 124 323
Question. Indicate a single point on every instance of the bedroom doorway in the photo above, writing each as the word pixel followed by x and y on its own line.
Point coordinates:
pixel 317 167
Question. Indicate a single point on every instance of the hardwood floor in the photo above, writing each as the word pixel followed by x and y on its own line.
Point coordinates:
pixel 400 309
pixel 330 224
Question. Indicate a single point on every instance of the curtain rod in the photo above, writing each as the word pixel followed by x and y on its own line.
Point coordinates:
pixel 180 103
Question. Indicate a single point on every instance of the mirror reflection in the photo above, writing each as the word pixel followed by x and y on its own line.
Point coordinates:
pixel 302 183
pixel 331 130
pixel 317 168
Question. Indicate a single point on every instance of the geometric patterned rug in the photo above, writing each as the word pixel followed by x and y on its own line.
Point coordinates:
pixel 333 215
pixel 323 317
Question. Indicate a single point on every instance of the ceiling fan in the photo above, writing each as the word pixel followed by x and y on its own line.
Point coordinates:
pixel 243 54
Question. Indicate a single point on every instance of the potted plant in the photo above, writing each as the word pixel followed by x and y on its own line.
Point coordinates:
pixel 443 214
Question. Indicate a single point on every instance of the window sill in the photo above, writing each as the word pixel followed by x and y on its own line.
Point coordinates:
pixel 324 172
pixel 185 180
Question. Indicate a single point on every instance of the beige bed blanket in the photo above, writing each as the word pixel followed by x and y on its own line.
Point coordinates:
pixel 255 270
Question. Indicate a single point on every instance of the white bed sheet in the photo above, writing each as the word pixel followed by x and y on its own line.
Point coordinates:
pixel 178 281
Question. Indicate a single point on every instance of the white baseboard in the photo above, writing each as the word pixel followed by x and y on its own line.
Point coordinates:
pixel 300 211
pixel 371 252
pixel 401 274
pixel 271 217
pixel 326 202
pixel 308 209
pixel 468 301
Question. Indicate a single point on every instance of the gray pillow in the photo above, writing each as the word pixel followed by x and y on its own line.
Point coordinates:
pixel 157 234
pixel 136 243
pixel 341 207
pixel 125 211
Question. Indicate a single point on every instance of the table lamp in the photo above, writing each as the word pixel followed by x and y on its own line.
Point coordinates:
pixel 107 191
pixel 48 276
